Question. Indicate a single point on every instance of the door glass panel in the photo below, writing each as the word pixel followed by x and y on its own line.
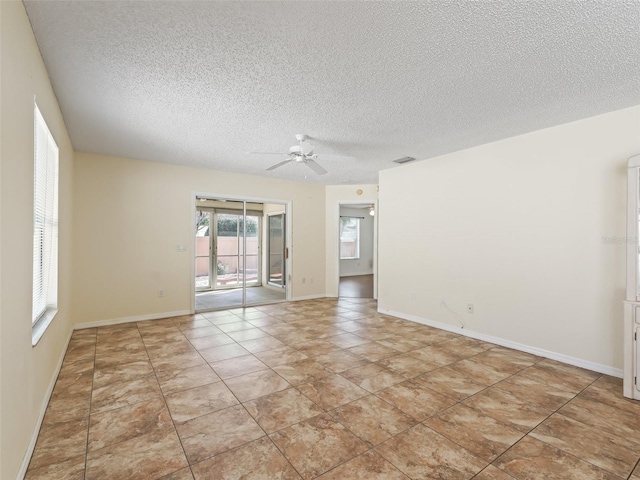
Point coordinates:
pixel 276 250
pixel 203 245
pixel 228 250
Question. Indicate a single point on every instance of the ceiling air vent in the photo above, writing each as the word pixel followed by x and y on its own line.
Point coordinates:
pixel 404 160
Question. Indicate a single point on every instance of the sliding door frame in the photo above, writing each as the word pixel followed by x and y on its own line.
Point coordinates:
pixel 219 196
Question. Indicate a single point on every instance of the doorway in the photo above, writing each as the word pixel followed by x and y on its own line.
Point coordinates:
pixel 356 247
pixel 230 269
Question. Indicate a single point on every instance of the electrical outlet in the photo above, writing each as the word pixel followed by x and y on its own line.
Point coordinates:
pixel 304 280
pixel 469 307
pixel 443 302
pixel 161 293
pixel 311 280
pixel 413 295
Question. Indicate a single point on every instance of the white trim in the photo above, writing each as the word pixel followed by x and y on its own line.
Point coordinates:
pixel 43 409
pixel 137 318
pixel 308 297
pixel 560 357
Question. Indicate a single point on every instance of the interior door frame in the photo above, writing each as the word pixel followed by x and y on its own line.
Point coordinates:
pixel 238 198
pixel 346 203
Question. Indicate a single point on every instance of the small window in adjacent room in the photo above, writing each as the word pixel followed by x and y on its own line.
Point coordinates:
pixel 349 238
pixel 45 228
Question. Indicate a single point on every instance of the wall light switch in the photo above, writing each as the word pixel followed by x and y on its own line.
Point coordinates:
pixel 181 247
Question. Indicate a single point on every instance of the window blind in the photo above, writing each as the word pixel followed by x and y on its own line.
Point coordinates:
pixel 45 219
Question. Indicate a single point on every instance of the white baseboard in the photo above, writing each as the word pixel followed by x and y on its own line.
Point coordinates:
pixel 560 357
pixel 43 409
pixel 137 318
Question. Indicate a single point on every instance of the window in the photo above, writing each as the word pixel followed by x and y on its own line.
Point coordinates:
pixel 349 238
pixel 45 227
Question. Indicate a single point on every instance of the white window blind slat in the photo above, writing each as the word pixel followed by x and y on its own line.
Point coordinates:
pixel 45 219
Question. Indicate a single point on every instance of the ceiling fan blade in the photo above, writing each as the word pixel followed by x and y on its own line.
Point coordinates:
pixel 273 167
pixel 313 165
pixel 335 157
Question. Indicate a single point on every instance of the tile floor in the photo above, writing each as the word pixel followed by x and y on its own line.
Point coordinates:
pixel 325 389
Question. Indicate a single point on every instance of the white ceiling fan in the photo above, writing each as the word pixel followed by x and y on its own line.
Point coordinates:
pixel 302 153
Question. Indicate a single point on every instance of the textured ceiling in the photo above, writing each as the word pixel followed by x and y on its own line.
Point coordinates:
pixel 203 83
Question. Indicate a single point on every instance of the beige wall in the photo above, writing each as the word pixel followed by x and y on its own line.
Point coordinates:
pixel 336 194
pixel 121 202
pixel 516 227
pixel 26 373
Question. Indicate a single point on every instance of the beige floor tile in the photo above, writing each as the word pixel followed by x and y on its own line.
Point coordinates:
pixel 316 445
pixel 151 455
pixel 121 394
pixel 206 331
pixel 493 473
pixel 406 365
pixel 374 351
pixel 120 373
pixel 70 469
pixel 373 377
pixel 168 363
pixel 187 404
pixel 604 417
pixel 257 384
pixel 262 344
pixel 118 354
pixel 422 453
pixel 215 433
pixel 332 391
pixel 182 474
pixel 609 452
pixel 114 426
pixel 347 340
pixel 259 459
pixel 235 326
pixel 281 409
pixel 481 435
pixel 302 371
pixel 435 355
pixel 450 383
pixel 234 367
pixel 313 348
pixel 507 409
pixel 210 341
pixel 608 390
pixel 247 334
pixel 372 420
pixel 563 376
pixel 224 352
pixel 159 339
pixel 415 399
pixel 481 373
pixel 70 398
pixel 401 344
pixel 531 391
pixel 338 352
pixel 369 466
pixel 340 361
pixel 280 356
pixel 535 460
pixel 59 442
pixel 185 378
